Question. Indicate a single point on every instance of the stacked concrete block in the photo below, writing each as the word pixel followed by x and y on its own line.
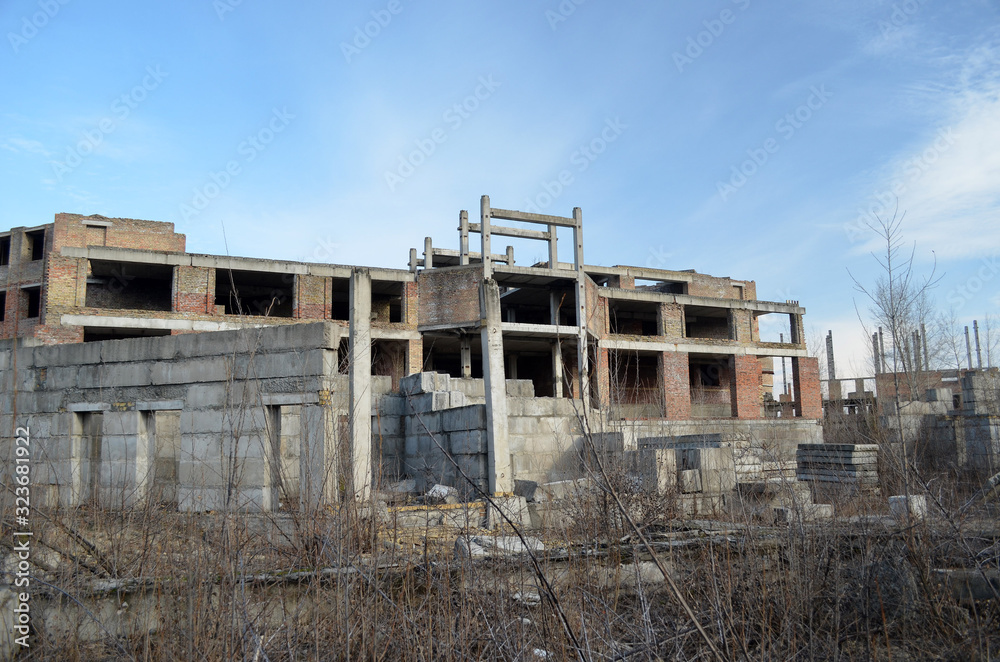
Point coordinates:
pixel 716 466
pixel 844 469
pixel 656 470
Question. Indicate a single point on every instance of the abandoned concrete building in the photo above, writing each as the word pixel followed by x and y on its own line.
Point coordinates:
pixel 207 381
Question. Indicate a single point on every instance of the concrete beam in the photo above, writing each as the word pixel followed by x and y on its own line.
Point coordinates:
pixel 360 379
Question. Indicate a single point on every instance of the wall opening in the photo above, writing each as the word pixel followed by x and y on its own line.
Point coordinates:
pixel 634 318
pixel 99 333
pixel 710 387
pixel 707 322
pixel 3 306
pixel 32 302
pixel 4 251
pixel 35 244
pixel 165 428
pixel 664 286
pixel 129 286
pixel 387 302
pixel 389 360
pixel 87 433
pixel 774 327
pixel 635 387
pixel 340 301
pixel 533 305
pixel 255 293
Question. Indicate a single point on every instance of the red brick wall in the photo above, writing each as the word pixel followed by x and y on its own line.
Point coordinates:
pixel 449 296
pixel 71 230
pixel 311 297
pixel 194 290
pixel 675 381
pixel 672 321
pixel 745 387
pixel 808 397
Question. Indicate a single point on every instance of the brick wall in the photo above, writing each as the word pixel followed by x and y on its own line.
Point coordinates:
pixel 311 300
pixel 194 290
pixel 672 321
pixel 675 381
pixel 745 387
pixel 808 397
pixel 71 230
pixel 449 296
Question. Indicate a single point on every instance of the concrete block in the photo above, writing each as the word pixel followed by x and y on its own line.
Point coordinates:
pixel 471 417
pixel 656 469
pixel 520 388
pixel 386 425
pixel 468 442
pixel 717 466
pixel 415 384
pixel 916 504
pixel 205 396
pixel 456 399
pixel 506 511
pixel 392 405
pixel 425 423
pixel 495 546
pixel 439 494
pixel 563 489
pixel 526 489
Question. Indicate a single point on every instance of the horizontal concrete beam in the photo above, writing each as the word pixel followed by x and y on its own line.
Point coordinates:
pixel 697 348
pixel 540 330
pixel 619 294
pixel 528 217
pixel 154 323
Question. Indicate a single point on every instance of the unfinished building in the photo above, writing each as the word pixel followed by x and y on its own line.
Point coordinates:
pixel 208 381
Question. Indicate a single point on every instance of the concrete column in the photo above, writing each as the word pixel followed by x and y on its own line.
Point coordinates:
pixel 487 251
pixel 557 369
pixel 466 349
pixel 498 468
pixel 413 260
pixel 553 247
pixel 360 379
pixel 428 253
pixel 463 237
pixel 582 352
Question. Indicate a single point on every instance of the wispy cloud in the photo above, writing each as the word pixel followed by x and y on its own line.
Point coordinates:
pixel 18 145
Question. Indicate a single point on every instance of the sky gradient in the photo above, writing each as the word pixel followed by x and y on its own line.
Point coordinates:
pixel 735 137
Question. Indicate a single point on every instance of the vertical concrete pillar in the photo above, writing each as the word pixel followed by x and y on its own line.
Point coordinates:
pixel 360 379
pixel 466 350
pixel 484 232
pixel 557 369
pixel 428 253
pixel 498 453
pixel 463 237
pixel 553 247
pixel 601 386
pixel 582 351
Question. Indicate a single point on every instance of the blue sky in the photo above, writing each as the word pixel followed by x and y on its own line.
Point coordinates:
pixel 735 137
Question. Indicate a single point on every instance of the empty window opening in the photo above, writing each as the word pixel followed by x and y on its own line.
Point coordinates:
pixel 534 305
pixel 708 323
pixel 3 306
pixel 284 436
pixel 710 387
pixel 4 251
pixel 387 302
pixel 32 302
pixel 340 303
pixel 662 286
pixel 634 318
pixel 535 366
pixel 773 327
pixel 255 293
pixel 36 244
pixel 129 286
pixel 99 333
pixel 635 386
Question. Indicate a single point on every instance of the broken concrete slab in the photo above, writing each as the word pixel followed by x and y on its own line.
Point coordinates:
pixel 495 546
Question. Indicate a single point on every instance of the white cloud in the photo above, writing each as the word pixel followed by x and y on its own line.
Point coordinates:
pixel 18 144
